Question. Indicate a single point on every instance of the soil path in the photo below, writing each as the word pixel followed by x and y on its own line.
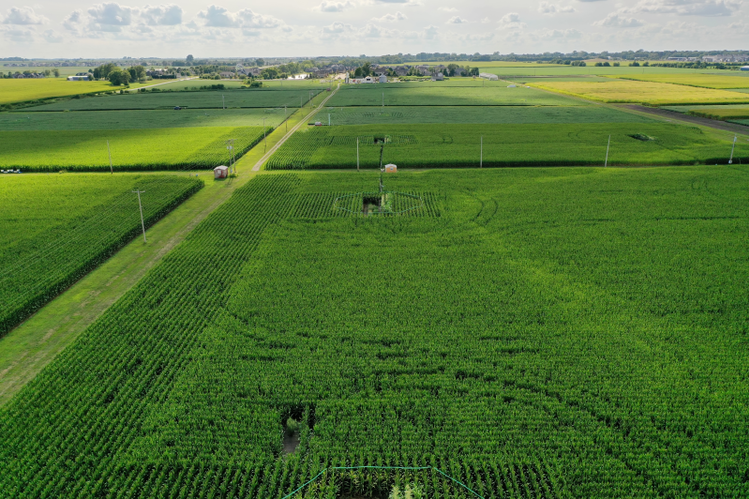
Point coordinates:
pixel 296 127
pixel 695 120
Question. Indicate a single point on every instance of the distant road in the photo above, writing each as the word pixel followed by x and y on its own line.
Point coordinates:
pixel 688 118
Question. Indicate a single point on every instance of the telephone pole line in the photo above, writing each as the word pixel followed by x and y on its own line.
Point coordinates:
pixel 111 170
pixel 140 205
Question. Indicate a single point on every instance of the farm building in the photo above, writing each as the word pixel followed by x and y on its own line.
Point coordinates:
pixel 744 68
pixel 383 79
pixel 221 172
pixel 391 168
pixel 78 78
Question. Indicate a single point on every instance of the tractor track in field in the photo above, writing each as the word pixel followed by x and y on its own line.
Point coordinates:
pixel 291 132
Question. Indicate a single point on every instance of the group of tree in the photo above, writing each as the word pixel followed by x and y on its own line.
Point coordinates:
pixel 119 76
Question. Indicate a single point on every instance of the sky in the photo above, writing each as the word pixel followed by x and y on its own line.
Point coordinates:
pixel 305 28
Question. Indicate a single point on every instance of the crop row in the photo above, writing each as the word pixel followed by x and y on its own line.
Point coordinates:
pixel 35 277
pixel 472 342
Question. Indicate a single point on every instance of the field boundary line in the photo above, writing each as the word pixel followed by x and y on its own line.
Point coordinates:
pixel 291 132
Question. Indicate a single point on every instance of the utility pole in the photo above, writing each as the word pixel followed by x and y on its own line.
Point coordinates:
pixel 328 119
pixel 264 141
pixel 300 102
pixel 230 147
pixel 730 160
pixel 223 102
pixel 140 205
pixel 357 154
pixel 111 170
pixel 383 100
pixel 606 162
pixel 481 161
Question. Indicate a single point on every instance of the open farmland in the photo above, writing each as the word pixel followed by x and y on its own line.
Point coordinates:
pixel 534 333
pixel 659 94
pixel 428 146
pixel 21 90
pixel 122 120
pixel 372 115
pixel 720 81
pixel 214 99
pixel 442 94
pixel 55 228
pixel 132 149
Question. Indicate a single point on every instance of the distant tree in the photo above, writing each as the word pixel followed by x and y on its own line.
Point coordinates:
pixel 137 73
pixel 269 73
pixel 616 64
pixel 260 62
pixel 56 72
pixel 357 73
pixel 607 64
pixel 189 59
pixel 635 64
pixel 119 77
pixel 103 71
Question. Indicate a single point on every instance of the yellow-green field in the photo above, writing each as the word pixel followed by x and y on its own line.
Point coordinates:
pixel 645 92
pixel 25 89
pixel 728 113
pixel 694 79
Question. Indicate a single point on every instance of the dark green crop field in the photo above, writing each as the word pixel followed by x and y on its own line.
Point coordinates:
pixel 444 94
pixel 247 98
pixel 125 120
pixel 435 145
pixel 536 333
pixel 55 228
pixel 373 115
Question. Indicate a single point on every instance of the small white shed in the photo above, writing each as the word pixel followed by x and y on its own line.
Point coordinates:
pixel 383 79
pixel 221 172
pixel 391 168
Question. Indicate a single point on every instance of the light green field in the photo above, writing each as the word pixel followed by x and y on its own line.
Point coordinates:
pixel 132 149
pixel 64 70
pixel 660 94
pixel 459 145
pixel 20 90
pixel 120 120
pixel 235 84
pixel 475 114
pixel 734 79
pixel 444 94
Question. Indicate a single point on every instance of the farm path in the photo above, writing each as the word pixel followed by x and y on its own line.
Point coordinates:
pixel 25 350
pixel 291 132
pixel 163 83
pixel 694 120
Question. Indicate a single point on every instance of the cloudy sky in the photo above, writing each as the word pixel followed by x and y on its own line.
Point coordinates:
pixel 79 28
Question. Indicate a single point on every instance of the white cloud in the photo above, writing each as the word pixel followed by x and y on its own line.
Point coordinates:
pixel 447 9
pixel 511 20
pixel 557 34
pixel 431 32
pixel 111 14
pixel 337 28
pixel 23 16
pixel 334 6
pixel 486 20
pixel 617 21
pixel 72 21
pixel 52 37
pixel 252 20
pixel 551 9
pixel 162 15
pixel 391 18
pixel 456 20
pixel 371 31
pixel 708 8
pixel 219 17
pixel 19 35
